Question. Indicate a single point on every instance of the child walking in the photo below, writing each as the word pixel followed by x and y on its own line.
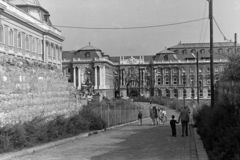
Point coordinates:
pixel 173 123
pixel 139 117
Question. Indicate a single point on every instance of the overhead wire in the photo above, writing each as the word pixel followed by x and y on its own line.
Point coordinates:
pixel 205 31
pixel 123 28
pixel 203 21
pixel 220 30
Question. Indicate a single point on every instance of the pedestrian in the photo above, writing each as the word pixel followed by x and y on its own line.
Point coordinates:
pixel 173 123
pixel 140 117
pixel 164 117
pixel 184 117
pixel 155 115
pixel 151 113
pixel 160 116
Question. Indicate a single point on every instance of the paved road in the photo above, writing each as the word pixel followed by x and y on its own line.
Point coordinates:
pixel 131 142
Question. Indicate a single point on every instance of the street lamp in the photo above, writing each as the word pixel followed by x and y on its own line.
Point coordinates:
pixel 184 82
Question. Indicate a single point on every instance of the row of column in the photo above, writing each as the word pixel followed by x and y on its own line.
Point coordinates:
pixel 80 77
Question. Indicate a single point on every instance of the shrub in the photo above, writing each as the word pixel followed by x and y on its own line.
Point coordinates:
pixel 219 130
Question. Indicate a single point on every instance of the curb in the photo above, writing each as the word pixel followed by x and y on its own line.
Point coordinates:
pixel 201 152
pixel 33 150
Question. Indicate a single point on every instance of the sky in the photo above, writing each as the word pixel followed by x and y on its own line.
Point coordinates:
pixel 138 13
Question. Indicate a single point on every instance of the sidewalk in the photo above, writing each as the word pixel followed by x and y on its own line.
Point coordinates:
pixel 126 143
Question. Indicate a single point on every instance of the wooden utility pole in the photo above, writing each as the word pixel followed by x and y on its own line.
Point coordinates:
pixel 235 43
pixel 211 51
pixel 197 80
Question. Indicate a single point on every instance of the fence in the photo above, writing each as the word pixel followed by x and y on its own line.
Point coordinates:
pixel 120 114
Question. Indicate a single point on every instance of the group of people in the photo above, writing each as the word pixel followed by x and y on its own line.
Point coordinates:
pixel 161 116
pixel 158 116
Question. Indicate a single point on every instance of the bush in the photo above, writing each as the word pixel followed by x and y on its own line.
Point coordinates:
pixel 219 130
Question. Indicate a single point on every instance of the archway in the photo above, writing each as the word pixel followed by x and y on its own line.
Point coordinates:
pixel 133 88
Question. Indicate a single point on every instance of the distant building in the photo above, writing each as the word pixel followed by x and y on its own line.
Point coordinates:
pixel 170 73
pixel 26 31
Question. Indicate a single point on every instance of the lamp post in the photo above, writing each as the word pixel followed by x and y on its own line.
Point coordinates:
pixel 184 82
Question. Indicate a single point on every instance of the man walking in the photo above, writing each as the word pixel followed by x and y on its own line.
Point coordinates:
pixel 184 117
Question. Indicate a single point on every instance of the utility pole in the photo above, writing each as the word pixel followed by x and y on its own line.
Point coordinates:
pixel 197 80
pixel 211 50
pixel 235 43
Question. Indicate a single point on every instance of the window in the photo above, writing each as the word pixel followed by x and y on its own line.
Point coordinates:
pixel 201 93
pixel 167 93
pixel 175 93
pixel 174 70
pixel 10 37
pixel 165 58
pixel 53 51
pixel 1 34
pixel 176 51
pixel 192 81
pixel 159 81
pixel 184 80
pixel 200 83
pixel 159 70
pixel 216 69
pixel 220 50
pixel 209 92
pixel 167 81
pixel 27 43
pixel 69 70
pixel 208 69
pixel 202 51
pixel 166 70
pixel 192 93
pixel 175 80
pixel 191 69
pixel 229 50
pixel 87 55
pixel 19 40
pixel 184 93
pixel 184 51
pixel 216 79
pixel 193 51
pixel 208 82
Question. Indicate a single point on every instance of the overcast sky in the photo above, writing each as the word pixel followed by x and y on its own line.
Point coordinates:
pixel 133 13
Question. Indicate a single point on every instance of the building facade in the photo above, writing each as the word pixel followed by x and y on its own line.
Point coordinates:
pixel 170 73
pixel 26 31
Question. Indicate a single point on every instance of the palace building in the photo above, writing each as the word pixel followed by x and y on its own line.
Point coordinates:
pixel 171 72
pixel 26 31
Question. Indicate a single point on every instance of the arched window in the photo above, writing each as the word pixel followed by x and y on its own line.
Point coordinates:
pixel 11 37
pixel 159 80
pixel 202 51
pixel 19 40
pixel 193 51
pixel 27 43
pixel 184 51
pixel 220 50
pixel 165 58
pixel 1 34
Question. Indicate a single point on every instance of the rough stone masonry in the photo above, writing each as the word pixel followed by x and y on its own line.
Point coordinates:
pixel 30 89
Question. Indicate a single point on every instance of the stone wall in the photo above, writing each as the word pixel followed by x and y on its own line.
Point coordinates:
pixel 30 89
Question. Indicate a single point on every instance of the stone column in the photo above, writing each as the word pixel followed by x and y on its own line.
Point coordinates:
pixel 100 76
pixel 79 77
pixel 104 77
pixel 74 76
pixel 96 85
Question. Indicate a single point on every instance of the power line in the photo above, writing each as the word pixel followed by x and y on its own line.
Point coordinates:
pixel 220 30
pixel 203 21
pixel 205 31
pixel 138 27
